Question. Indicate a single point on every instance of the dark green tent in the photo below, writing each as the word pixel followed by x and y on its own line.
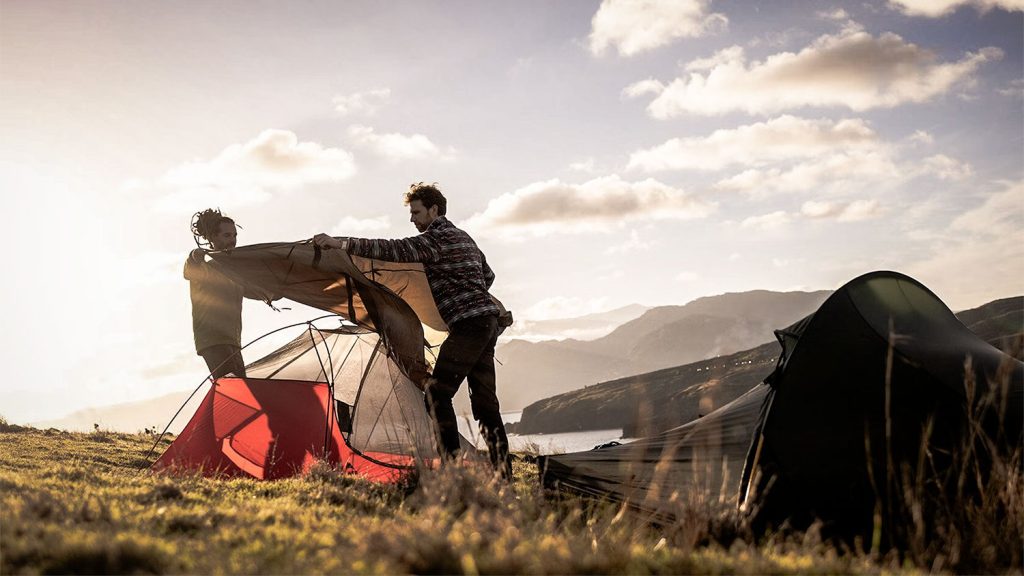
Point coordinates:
pixel 881 370
pixel 855 387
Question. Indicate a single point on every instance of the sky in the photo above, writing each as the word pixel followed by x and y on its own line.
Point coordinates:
pixel 602 153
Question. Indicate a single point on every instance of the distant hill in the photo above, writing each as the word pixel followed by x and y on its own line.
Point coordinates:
pixel 666 398
pixel 587 327
pixel 662 337
pixel 130 416
pixel 1000 323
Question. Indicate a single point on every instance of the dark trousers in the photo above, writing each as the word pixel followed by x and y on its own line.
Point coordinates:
pixel 468 354
pixel 224 359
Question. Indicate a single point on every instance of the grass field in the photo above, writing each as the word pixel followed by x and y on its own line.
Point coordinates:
pixel 73 503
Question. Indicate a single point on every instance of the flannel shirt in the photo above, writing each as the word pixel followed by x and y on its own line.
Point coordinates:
pixel 457 270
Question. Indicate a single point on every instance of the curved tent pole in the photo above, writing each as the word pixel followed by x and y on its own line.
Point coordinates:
pixel 366 372
pixel 209 378
pixel 329 379
pixel 330 382
pixel 171 421
pixel 289 363
pixel 362 381
pixel 390 395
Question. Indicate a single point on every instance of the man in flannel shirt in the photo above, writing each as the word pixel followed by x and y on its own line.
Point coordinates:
pixel 459 278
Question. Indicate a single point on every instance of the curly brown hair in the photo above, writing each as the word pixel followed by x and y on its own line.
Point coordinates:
pixel 429 195
pixel 206 223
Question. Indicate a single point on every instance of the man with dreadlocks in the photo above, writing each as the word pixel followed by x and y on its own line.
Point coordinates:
pixel 216 300
pixel 459 279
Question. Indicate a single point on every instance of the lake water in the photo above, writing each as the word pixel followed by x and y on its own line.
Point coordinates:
pixel 560 443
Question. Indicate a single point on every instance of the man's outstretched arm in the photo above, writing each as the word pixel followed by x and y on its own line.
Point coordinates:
pixel 422 248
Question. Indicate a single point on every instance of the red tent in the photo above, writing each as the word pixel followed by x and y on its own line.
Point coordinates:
pixel 270 429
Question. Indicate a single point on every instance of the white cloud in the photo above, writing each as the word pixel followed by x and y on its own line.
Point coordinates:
pixel 245 174
pixel 922 137
pixel 831 173
pixel 778 139
pixel 851 69
pixel 842 211
pixel 395 146
pixel 836 14
pixel 1001 214
pixel 819 209
pixel 686 277
pixel 635 26
pixel 719 58
pixel 792 154
pixel 599 205
pixel 772 221
pixel 349 226
pixel 946 168
pixel 1015 88
pixel 361 103
pixel 985 242
pixel 816 157
pixel 937 8
pixel 778 39
pixel 643 87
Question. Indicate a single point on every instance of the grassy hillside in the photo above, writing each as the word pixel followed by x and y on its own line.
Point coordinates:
pixel 659 400
pixel 999 323
pixel 74 503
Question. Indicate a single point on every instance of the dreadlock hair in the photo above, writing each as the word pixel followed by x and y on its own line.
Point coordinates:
pixel 205 224
pixel 429 195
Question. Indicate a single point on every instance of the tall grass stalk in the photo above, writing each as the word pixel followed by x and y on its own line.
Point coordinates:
pixel 957 506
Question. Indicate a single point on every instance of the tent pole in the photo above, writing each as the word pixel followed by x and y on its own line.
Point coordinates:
pixel 330 385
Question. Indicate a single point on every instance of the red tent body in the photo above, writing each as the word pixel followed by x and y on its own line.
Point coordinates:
pixel 270 429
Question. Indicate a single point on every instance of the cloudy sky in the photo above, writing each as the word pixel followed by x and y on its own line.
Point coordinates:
pixel 602 153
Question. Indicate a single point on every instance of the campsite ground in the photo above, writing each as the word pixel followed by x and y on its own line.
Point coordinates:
pixel 83 503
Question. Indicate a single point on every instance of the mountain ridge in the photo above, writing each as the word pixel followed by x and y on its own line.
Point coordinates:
pixel 708 326
pixel 673 396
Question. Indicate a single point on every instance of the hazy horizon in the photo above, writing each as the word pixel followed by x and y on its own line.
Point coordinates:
pixel 86 419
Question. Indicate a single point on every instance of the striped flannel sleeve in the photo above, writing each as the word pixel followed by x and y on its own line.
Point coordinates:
pixel 422 248
pixel 488 273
